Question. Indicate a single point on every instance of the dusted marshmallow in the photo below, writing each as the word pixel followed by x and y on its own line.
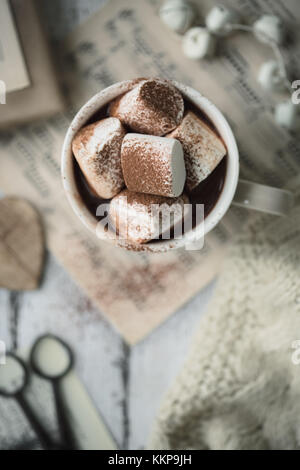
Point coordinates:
pixel 203 149
pixel 97 149
pixel 153 165
pixel 154 107
pixel 141 217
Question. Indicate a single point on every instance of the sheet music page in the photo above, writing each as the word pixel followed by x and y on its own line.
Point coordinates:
pixel 13 70
pixel 138 291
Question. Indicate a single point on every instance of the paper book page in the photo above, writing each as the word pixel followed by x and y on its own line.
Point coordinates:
pixel 13 70
pixel 138 291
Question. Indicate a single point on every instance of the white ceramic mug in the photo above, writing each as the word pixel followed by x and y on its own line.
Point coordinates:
pixel 239 192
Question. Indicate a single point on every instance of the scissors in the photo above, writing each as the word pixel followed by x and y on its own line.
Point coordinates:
pixel 14 379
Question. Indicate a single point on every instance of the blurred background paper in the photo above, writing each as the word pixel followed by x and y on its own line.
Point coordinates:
pixel 13 69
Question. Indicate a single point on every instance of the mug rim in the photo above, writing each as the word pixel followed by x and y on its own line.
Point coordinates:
pixel 223 203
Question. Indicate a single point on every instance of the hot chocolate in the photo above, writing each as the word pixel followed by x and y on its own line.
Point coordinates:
pixel 180 156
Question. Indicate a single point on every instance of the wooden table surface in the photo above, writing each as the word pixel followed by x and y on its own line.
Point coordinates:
pixel 126 384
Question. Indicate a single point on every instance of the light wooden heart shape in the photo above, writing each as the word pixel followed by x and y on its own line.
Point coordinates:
pixel 21 245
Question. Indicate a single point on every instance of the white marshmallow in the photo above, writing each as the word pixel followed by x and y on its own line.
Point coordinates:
pixel 198 43
pixel 138 217
pixel 154 106
pixel 219 19
pixel 269 28
pixel 177 15
pixel 153 165
pixel 287 115
pixel 203 149
pixel 270 76
pixel 97 149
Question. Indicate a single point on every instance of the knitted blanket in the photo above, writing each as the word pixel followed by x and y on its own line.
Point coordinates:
pixel 240 387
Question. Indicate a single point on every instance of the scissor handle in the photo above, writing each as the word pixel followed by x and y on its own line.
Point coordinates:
pixel 67 436
pixel 44 437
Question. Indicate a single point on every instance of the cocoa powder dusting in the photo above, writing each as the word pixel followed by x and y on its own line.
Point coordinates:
pixel 146 164
pixel 133 215
pixel 202 147
pixel 153 107
pixel 97 148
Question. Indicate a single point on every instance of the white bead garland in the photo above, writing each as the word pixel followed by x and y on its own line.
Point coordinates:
pixel 287 115
pixel 198 43
pixel 219 19
pixel 178 15
pixel 269 28
pixel 270 76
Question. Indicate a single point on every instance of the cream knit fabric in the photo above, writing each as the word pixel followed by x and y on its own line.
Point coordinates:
pixel 240 388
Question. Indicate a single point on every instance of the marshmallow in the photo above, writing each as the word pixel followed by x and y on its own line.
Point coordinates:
pixel 198 43
pixel 270 76
pixel 269 28
pixel 141 217
pixel 287 115
pixel 154 107
pixel 153 165
pixel 203 149
pixel 219 19
pixel 97 149
pixel 178 15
